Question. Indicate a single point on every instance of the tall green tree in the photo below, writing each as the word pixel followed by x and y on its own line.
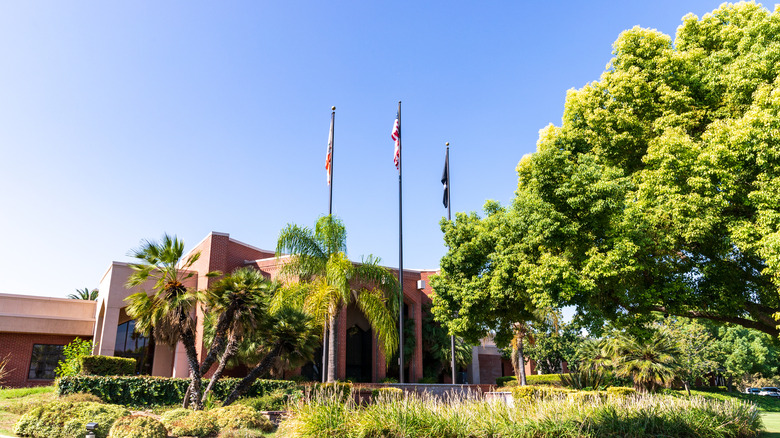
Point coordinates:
pixel 85 294
pixel 658 191
pixel 740 352
pixel 168 312
pixel 696 346
pixel 329 281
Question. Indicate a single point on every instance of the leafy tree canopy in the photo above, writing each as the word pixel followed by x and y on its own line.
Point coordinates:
pixel 658 192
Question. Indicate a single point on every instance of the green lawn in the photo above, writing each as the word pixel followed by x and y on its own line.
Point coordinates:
pixel 772 424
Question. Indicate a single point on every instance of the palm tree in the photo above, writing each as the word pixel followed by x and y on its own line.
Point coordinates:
pixel 84 294
pixel 239 303
pixel 288 333
pixel 649 363
pixel 520 330
pixel 331 281
pixel 167 313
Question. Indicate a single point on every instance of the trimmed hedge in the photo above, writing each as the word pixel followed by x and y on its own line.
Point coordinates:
pixel 107 366
pixel 156 391
pixel 532 379
pixel 620 391
pixel 183 422
pixel 387 393
pixel 530 392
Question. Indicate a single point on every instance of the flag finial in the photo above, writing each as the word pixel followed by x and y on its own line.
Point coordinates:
pixel 447 144
pixel 333 108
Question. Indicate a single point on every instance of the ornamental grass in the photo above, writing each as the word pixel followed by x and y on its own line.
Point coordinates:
pixel 558 417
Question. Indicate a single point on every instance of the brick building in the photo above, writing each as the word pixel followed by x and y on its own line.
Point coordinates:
pixel 33 329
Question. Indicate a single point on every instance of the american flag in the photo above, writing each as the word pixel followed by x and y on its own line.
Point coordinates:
pixel 396 136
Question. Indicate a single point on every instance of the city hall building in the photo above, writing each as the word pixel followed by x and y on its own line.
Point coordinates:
pixel 33 330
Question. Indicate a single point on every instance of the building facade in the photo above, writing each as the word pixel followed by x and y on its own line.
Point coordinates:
pixel 33 329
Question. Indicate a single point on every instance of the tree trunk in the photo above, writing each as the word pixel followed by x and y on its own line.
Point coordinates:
pixel 220 337
pixel 230 351
pixel 323 374
pixel 258 371
pixel 687 387
pixel 188 339
pixel 521 363
pixel 332 344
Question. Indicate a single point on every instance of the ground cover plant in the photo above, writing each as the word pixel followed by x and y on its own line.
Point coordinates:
pixel 629 416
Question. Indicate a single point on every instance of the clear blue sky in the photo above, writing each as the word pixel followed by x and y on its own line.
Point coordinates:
pixel 123 120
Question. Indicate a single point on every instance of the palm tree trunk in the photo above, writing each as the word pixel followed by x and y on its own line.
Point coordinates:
pixel 220 338
pixel 521 363
pixel 188 340
pixel 332 346
pixel 258 371
pixel 325 333
pixel 230 351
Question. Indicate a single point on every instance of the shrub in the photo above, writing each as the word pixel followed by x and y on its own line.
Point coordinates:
pixel 530 392
pixel 387 393
pixel 240 433
pixel 544 379
pixel 532 379
pixel 73 353
pixel 107 366
pixel 4 369
pixel 197 423
pixel 169 417
pixel 502 381
pixel 428 380
pixel 620 391
pixel 240 417
pixel 68 419
pixel 275 401
pixel 137 426
pixel 156 391
pixel 389 380
pixel 586 396
pixel 80 397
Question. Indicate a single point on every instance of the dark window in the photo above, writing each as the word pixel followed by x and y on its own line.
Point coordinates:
pixel 130 343
pixel 44 360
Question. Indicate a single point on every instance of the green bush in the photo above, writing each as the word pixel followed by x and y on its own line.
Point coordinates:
pixel 586 396
pixel 169 417
pixel 80 397
pixel 156 391
pixel 197 423
pixel 240 417
pixel 620 391
pixel 68 419
pixel 531 379
pixel 137 426
pixel 531 392
pixel 240 433
pixel 275 401
pixel 73 353
pixel 107 366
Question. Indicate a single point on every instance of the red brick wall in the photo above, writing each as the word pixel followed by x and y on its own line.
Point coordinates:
pixel 489 368
pixel 18 347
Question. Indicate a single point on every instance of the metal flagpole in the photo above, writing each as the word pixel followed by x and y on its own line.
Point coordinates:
pixel 400 259
pixel 330 213
pixel 449 218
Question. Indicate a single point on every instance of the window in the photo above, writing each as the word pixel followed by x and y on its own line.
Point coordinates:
pixel 130 343
pixel 44 360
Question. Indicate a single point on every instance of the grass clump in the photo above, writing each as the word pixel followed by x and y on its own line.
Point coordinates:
pixel 594 416
pixel 197 423
pixel 240 417
pixel 137 426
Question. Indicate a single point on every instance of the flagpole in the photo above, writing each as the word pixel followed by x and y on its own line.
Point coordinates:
pixel 449 218
pixel 400 259
pixel 331 147
pixel 332 150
